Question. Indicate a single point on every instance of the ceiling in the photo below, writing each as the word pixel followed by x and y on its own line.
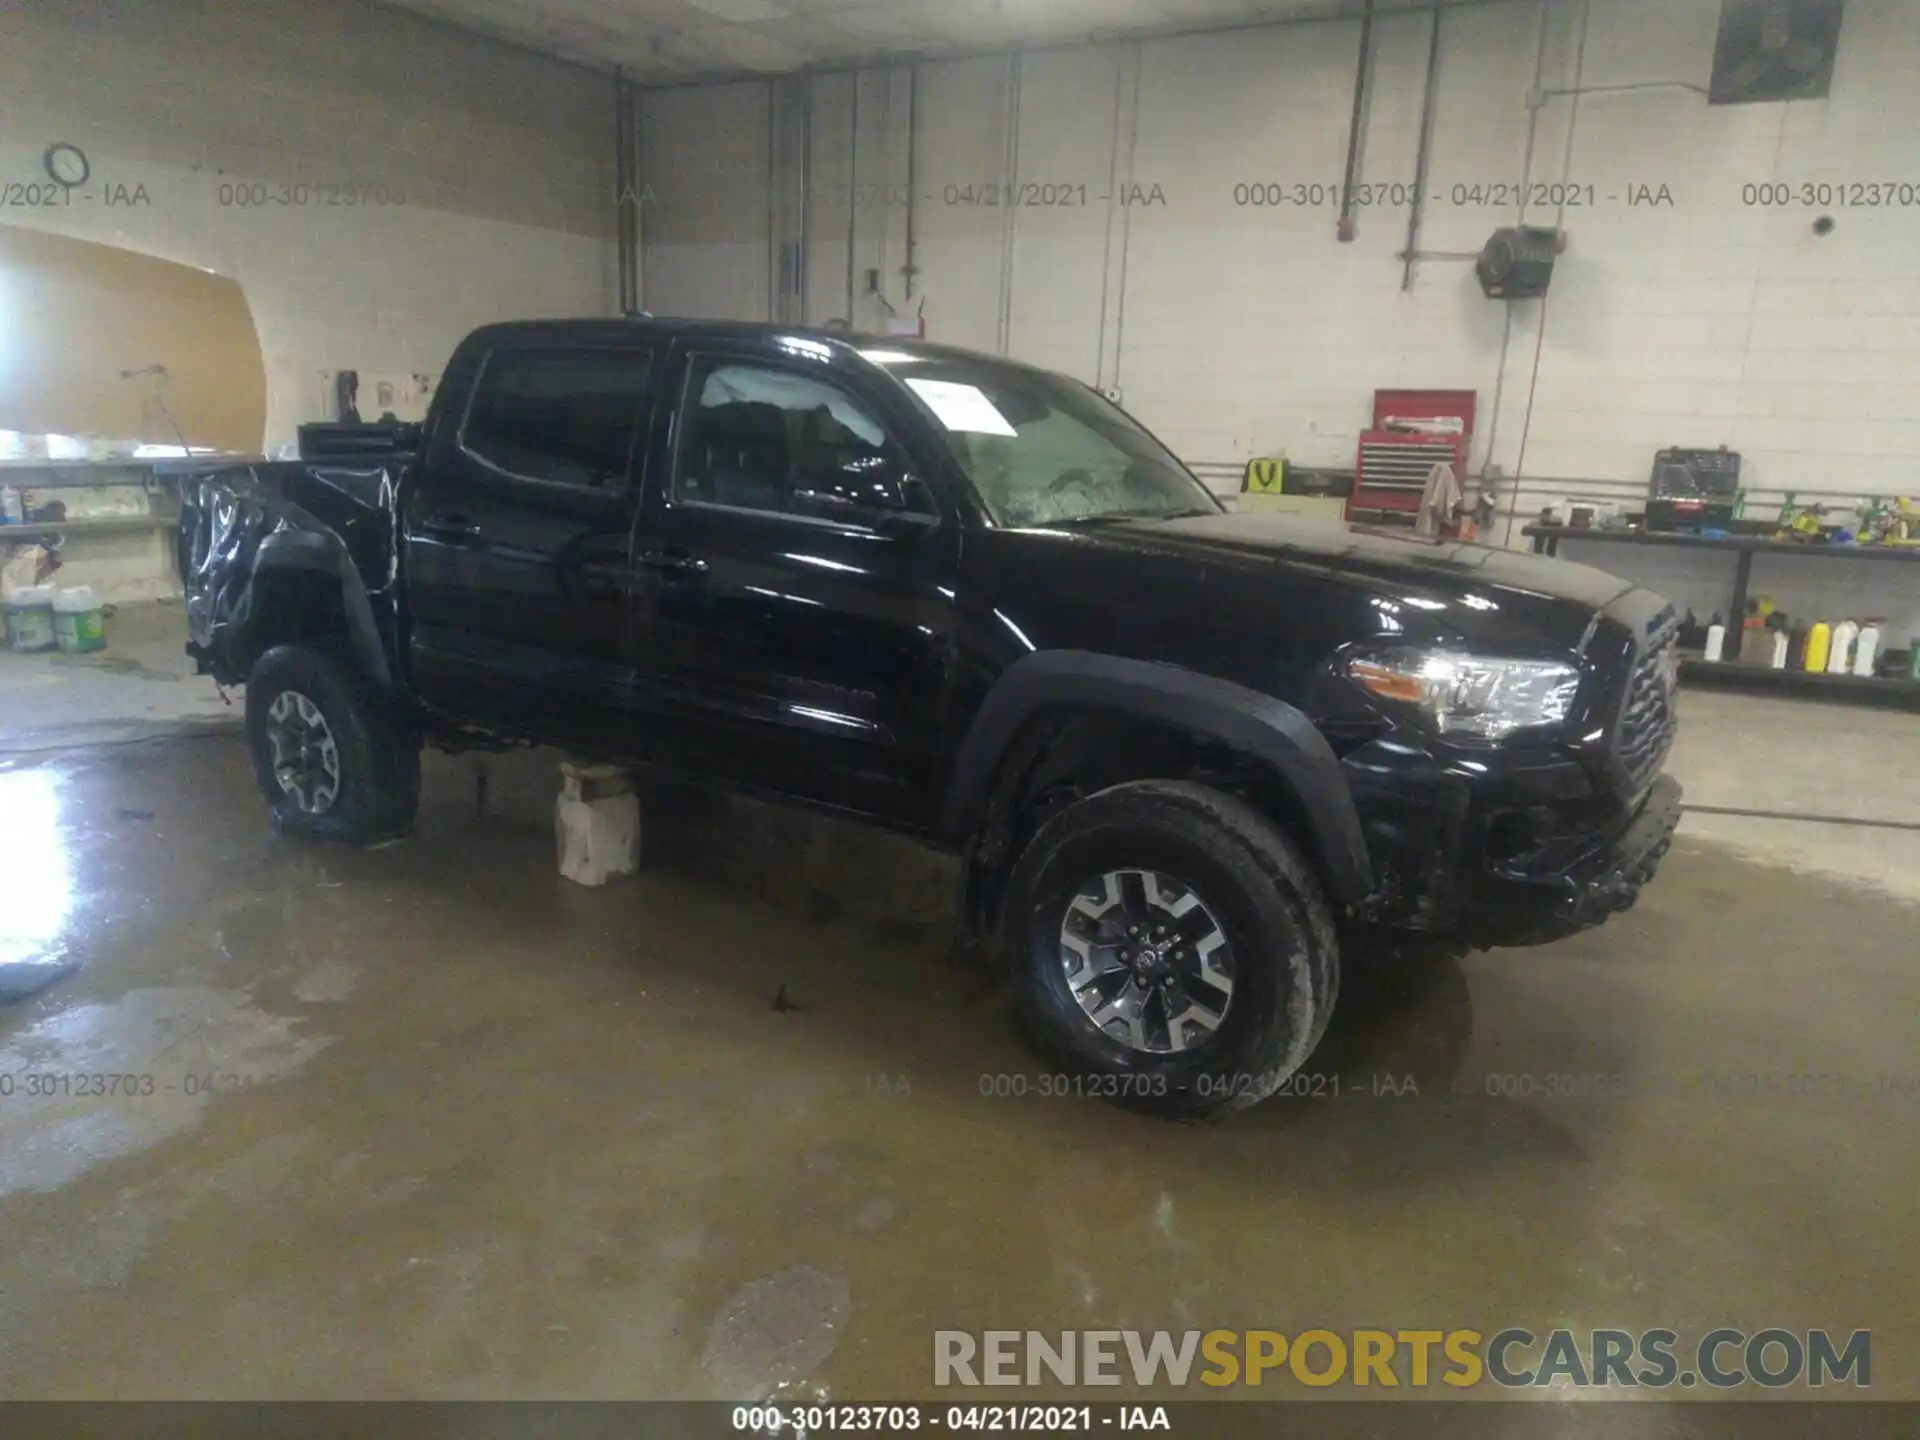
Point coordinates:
pixel 673 40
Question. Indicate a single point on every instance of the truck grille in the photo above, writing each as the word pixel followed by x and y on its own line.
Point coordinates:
pixel 1647 720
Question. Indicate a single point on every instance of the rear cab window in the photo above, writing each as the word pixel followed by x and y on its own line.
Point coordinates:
pixel 560 415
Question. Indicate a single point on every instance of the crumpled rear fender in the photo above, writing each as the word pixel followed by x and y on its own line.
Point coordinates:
pixel 241 536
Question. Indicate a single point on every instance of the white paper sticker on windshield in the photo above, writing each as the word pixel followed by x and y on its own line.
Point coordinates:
pixel 962 407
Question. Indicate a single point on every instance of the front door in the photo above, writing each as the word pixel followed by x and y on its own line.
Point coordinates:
pixel 517 536
pixel 791 640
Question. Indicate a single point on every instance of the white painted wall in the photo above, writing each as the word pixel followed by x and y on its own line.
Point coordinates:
pixel 703 200
pixel 960 248
pixel 1236 330
pixel 496 165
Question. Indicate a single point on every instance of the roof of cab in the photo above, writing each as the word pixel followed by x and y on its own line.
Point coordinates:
pixel 846 342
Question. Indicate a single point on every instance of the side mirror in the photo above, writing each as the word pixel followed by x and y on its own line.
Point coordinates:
pixel 872 489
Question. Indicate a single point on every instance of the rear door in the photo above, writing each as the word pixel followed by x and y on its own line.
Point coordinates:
pixel 790 641
pixel 517 529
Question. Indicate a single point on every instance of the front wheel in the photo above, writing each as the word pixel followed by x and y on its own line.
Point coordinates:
pixel 334 758
pixel 1171 946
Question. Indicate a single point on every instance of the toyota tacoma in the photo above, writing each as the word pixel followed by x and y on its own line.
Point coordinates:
pixel 1192 761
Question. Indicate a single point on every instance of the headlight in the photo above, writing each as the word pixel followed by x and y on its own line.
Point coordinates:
pixel 1473 695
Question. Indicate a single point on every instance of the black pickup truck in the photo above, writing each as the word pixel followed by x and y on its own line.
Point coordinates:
pixel 1189 758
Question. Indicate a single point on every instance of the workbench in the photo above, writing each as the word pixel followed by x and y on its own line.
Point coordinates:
pixel 1897 693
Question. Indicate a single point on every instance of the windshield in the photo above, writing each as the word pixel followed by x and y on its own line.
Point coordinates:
pixel 1043 450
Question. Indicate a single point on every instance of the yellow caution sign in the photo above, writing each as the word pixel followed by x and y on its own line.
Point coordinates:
pixel 1265 476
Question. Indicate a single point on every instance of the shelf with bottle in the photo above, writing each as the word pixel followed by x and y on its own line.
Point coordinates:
pixel 1896 686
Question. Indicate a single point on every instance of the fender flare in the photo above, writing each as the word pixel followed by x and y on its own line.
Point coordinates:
pixel 321 552
pixel 1274 733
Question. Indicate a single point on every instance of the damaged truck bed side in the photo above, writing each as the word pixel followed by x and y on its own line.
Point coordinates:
pixel 1192 761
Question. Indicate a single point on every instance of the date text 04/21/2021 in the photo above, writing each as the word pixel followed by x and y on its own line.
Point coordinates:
pixel 783 1420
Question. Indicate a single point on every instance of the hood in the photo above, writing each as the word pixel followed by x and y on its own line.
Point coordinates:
pixel 1265 599
pixel 1443 569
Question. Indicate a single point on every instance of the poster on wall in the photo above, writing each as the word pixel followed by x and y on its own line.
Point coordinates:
pixel 374 395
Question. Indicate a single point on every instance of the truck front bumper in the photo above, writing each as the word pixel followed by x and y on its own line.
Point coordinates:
pixel 1504 850
pixel 1513 905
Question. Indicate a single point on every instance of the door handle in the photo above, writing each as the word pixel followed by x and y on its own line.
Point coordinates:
pixel 670 563
pixel 602 580
pixel 445 526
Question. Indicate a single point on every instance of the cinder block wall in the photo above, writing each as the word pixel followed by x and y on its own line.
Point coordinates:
pixel 1236 329
pixel 407 181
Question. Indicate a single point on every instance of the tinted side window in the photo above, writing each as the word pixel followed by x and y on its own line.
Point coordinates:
pixel 567 417
pixel 762 438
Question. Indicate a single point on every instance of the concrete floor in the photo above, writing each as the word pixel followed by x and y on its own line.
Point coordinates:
pixel 1742 754
pixel 427 1121
pixel 141 684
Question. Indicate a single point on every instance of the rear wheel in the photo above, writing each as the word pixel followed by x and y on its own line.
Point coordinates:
pixel 1170 948
pixel 334 758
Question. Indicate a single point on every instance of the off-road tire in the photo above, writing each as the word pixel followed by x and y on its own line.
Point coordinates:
pixel 1270 907
pixel 378 747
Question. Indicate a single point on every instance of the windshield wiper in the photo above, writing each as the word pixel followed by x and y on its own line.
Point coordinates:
pixel 1110 515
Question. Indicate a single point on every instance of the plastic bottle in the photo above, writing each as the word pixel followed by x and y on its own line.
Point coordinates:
pixel 1840 654
pixel 1780 646
pixel 12 511
pixel 1716 638
pixel 1866 649
pixel 1819 638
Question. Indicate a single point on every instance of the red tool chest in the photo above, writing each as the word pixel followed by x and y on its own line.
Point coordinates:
pixel 1413 430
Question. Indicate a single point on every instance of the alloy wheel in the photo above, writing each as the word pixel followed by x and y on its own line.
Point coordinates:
pixel 306 759
pixel 1147 960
